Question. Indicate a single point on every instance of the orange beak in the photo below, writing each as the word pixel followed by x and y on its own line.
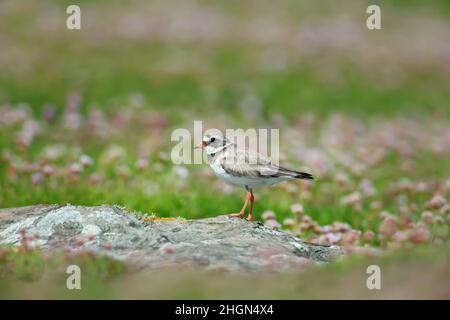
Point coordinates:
pixel 200 146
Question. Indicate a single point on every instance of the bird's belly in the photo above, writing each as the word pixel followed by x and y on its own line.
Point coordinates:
pixel 247 181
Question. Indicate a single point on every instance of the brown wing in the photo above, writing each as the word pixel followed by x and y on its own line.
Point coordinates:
pixel 247 163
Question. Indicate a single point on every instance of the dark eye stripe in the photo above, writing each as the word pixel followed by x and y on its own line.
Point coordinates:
pixel 209 140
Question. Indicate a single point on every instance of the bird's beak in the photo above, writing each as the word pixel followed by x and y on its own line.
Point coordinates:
pixel 200 146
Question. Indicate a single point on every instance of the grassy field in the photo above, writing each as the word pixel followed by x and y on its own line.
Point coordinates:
pixel 342 280
pixel 86 116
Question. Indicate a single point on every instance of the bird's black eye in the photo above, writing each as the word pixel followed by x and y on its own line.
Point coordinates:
pixel 213 139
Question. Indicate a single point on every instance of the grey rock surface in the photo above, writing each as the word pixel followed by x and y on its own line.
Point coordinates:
pixel 220 243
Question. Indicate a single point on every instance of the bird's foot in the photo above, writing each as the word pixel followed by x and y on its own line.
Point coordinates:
pixel 249 217
pixel 239 214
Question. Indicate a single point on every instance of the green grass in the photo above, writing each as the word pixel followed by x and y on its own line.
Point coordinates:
pixel 31 265
pixel 345 279
pixel 212 75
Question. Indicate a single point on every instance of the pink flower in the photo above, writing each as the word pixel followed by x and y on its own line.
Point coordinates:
pixel 48 170
pixel 388 226
pixel 376 205
pixel 37 178
pixel 168 249
pixel 113 154
pixel 420 234
pixel 422 187
pixel 445 209
pixel 75 169
pixel 368 235
pixel 340 226
pixel 106 246
pixel 342 179
pixel 367 188
pixel 86 161
pixel 436 202
pixel 297 208
pixel 384 215
pixel 181 172
pixel 351 199
pixel 405 217
pixel 157 121
pixel 401 235
pixel 269 215
pixel 304 226
pixel 141 164
pixel 332 238
pixel 405 185
pixel 272 224
pixel 123 171
pixel 94 179
pixel 316 228
pixel 427 217
pixel 49 113
pixel 351 237
pixel 288 222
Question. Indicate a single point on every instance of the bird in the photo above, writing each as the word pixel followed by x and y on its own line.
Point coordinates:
pixel 245 168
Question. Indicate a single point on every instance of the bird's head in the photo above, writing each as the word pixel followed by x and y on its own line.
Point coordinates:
pixel 213 143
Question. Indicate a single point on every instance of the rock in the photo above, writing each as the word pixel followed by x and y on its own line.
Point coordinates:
pixel 219 243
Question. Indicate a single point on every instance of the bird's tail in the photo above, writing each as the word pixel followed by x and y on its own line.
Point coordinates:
pixel 296 174
pixel 303 175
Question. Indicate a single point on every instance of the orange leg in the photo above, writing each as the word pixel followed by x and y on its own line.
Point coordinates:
pixel 252 201
pixel 241 213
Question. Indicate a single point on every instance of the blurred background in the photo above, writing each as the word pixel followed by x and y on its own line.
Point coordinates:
pixel 86 115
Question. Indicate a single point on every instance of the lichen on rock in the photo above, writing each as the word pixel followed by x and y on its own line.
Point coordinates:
pixel 213 243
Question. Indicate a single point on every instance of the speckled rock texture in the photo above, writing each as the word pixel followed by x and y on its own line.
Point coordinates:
pixel 219 243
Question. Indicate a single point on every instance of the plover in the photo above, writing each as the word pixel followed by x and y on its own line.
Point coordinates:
pixel 244 168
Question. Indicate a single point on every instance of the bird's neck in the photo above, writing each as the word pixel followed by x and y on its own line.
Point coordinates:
pixel 214 151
